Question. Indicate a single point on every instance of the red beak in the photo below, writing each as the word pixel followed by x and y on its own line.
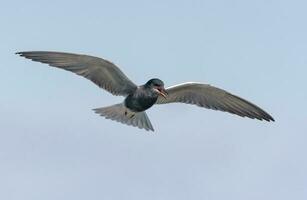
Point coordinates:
pixel 162 92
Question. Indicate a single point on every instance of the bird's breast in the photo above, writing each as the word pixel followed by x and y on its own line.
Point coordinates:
pixel 140 102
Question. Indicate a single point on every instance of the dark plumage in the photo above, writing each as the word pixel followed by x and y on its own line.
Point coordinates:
pixel 144 97
pixel 138 99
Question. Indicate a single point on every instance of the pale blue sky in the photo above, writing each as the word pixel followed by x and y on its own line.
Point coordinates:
pixel 52 146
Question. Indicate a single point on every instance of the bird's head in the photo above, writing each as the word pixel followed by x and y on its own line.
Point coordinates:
pixel 157 86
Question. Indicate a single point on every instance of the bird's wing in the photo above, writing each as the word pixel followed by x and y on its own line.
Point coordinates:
pixel 102 72
pixel 207 96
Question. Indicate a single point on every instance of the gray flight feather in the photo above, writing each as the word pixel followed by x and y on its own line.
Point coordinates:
pixel 102 72
pixel 207 96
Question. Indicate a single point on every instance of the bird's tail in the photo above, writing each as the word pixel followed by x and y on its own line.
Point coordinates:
pixel 120 113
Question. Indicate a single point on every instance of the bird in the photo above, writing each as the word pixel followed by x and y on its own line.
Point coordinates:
pixel 139 98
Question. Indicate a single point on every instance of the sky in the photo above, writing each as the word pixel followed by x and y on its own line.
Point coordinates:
pixel 53 146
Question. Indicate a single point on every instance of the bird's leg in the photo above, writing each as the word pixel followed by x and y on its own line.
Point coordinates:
pixel 132 115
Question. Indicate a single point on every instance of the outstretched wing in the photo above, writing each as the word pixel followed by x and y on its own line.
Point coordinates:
pixel 102 72
pixel 207 96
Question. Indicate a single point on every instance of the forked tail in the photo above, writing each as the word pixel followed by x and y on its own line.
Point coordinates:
pixel 120 113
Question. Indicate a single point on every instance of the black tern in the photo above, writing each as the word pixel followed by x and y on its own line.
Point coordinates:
pixel 138 99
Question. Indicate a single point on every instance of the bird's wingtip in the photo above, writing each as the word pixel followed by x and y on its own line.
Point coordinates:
pixel 20 53
pixel 269 119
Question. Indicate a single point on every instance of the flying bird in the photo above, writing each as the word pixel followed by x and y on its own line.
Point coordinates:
pixel 138 99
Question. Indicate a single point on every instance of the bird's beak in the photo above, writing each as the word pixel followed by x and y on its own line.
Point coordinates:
pixel 162 92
